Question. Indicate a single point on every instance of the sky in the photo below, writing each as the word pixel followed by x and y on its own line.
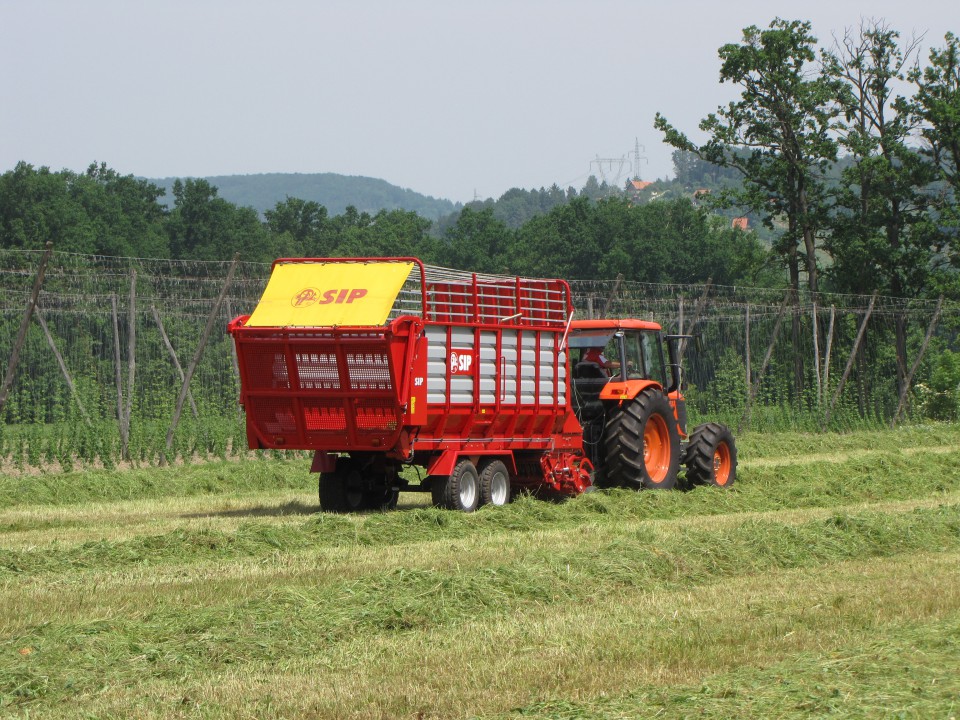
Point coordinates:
pixel 449 98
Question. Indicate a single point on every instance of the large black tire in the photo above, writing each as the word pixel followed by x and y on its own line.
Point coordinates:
pixel 494 483
pixel 381 498
pixel 342 490
pixel 711 456
pixel 459 491
pixel 641 443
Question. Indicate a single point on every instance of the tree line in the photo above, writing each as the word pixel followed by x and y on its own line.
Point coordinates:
pixel 100 212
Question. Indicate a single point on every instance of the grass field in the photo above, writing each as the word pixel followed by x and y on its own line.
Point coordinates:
pixel 826 583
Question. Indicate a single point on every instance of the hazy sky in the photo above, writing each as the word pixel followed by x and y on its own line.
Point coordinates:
pixel 446 97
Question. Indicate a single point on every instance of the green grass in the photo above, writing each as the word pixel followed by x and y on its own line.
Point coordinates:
pixel 210 478
pixel 824 583
pixel 909 672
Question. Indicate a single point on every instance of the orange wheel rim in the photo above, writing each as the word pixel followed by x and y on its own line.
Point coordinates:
pixel 656 448
pixel 721 464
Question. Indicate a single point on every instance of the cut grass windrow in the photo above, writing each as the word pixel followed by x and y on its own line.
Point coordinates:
pixel 887 477
pixel 759 453
pixel 211 478
pixel 619 641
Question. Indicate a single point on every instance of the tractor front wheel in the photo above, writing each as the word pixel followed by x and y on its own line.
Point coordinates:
pixel 711 456
pixel 641 443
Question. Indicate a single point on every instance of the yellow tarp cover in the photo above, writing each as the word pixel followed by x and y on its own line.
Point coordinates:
pixel 305 294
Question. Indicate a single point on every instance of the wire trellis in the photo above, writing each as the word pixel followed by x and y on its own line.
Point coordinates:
pixel 760 357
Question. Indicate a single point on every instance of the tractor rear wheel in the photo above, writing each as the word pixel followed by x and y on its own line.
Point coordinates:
pixel 641 443
pixel 711 456
pixel 343 489
pixel 494 483
pixel 460 490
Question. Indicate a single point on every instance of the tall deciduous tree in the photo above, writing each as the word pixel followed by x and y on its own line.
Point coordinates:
pixel 300 227
pixel 877 241
pixel 204 226
pixel 477 242
pixel 937 107
pixel 777 135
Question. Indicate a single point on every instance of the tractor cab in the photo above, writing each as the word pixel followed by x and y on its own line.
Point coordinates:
pixel 614 361
pixel 618 351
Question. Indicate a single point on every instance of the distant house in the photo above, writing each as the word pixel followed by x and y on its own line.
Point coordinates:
pixel 740 223
pixel 635 187
pixel 699 194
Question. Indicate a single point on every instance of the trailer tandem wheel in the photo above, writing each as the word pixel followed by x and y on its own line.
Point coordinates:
pixel 343 489
pixel 458 491
pixel 494 483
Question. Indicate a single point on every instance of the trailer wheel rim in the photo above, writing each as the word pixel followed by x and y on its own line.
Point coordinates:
pixel 499 489
pixel 656 448
pixel 721 464
pixel 468 490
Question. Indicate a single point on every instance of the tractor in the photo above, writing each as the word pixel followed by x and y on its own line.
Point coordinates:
pixel 630 403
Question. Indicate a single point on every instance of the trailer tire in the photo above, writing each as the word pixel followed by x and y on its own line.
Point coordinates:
pixel 711 456
pixel 494 483
pixel 460 490
pixel 642 443
pixel 382 498
pixel 342 490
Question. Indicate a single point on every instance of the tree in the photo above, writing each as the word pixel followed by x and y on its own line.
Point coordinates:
pixel 878 242
pixel 300 226
pixel 477 242
pixel 936 106
pixel 204 226
pixel 126 213
pixel 777 135
pixel 658 242
pixel 98 212
pixel 396 233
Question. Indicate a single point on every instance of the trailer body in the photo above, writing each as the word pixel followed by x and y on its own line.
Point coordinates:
pixel 451 372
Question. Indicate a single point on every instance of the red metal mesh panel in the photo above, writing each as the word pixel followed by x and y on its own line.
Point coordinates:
pixel 273 416
pixel 537 302
pixel 496 302
pixel 316 370
pixel 376 415
pixel 266 366
pixel 319 416
pixel 369 370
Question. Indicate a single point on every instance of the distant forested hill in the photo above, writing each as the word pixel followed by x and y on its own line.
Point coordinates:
pixel 334 192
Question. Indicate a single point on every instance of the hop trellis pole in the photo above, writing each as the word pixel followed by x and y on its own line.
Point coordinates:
pixel 185 386
pixel 24 326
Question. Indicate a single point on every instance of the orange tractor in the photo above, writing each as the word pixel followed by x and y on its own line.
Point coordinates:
pixel 630 404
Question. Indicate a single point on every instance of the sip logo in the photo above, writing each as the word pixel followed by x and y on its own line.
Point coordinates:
pixel 461 362
pixel 310 296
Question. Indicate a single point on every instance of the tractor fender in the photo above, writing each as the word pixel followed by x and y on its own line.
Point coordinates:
pixel 621 391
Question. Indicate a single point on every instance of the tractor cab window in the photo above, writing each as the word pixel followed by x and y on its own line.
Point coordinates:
pixel 643 356
pixel 653 357
pixel 594 354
